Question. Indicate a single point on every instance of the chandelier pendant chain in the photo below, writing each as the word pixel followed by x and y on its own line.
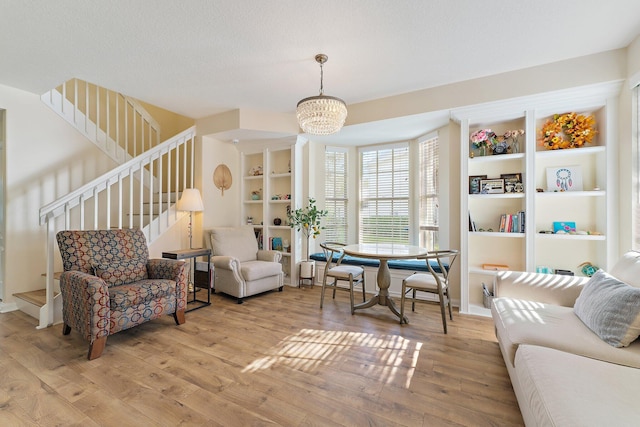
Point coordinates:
pixel 321 79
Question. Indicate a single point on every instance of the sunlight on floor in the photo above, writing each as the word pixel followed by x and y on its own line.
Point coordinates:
pixel 310 348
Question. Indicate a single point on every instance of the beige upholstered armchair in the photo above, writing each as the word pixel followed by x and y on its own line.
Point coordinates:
pixel 109 284
pixel 241 269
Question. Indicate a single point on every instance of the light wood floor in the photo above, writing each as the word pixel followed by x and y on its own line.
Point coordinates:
pixel 277 359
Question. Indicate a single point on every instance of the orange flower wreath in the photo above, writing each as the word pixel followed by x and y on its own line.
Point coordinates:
pixel 569 130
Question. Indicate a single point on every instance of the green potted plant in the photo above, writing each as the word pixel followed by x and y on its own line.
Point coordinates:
pixel 308 220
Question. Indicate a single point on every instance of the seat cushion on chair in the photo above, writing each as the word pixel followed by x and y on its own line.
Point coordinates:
pixel 142 292
pixel 423 281
pixel 343 271
pixel 254 270
pixel 122 271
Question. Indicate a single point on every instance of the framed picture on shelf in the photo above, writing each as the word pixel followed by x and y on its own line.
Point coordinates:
pixel 492 186
pixel 276 244
pixel 511 181
pixel 566 178
pixel 474 183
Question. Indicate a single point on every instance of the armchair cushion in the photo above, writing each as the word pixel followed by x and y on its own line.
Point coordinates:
pixel 237 242
pixel 122 272
pixel 143 292
pixel 254 270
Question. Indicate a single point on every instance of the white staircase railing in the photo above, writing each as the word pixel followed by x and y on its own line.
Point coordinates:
pixel 116 123
pixel 120 199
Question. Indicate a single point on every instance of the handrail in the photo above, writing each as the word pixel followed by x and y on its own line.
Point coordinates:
pixel 115 122
pixel 52 209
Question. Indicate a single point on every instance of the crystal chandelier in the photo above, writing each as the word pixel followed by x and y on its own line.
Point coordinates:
pixel 322 114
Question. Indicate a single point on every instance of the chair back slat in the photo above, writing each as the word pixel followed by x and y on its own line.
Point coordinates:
pixel 331 248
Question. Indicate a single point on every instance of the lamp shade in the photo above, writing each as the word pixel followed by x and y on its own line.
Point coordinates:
pixel 190 200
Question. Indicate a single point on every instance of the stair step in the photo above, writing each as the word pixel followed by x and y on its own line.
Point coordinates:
pixel 56 275
pixel 37 297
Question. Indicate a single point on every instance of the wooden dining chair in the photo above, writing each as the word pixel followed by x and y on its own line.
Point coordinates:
pixel 435 282
pixel 336 273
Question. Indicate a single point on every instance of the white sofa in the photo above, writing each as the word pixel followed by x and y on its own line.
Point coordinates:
pixel 241 269
pixel 562 372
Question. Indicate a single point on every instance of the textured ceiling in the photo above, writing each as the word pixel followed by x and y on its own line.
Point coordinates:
pixel 202 57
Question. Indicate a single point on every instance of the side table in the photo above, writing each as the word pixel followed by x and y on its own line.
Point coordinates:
pixel 192 254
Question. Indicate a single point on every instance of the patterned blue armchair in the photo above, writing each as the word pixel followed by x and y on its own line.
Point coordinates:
pixel 109 284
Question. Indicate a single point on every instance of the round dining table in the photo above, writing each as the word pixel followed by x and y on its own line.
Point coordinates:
pixel 383 252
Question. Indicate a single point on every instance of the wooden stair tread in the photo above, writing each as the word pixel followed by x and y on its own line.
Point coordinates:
pixel 56 275
pixel 37 297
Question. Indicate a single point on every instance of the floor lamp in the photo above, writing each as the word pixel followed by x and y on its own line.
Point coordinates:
pixel 192 202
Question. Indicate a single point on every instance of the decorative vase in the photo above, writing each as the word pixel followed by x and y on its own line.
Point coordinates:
pixel 483 150
pixel 277 221
pixel 515 147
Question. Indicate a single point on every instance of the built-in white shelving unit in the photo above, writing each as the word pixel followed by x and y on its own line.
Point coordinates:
pixel 592 209
pixel 271 174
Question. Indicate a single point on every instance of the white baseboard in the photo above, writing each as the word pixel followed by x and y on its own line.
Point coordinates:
pixel 6 308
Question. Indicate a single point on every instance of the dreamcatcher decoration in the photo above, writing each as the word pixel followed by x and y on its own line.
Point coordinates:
pixel 563 179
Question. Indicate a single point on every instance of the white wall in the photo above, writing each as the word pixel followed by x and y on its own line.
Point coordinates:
pixel 220 210
pixel 46 158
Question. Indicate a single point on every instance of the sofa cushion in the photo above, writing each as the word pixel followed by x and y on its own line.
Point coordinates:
pixel 237 242
pixel 627 269
pixel 526 322
pixel 122 271
pixel 562 389
pixel 610 308
pixel 254 270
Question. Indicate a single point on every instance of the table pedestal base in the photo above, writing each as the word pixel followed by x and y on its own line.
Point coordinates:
pixel 382 297
pixel 381 300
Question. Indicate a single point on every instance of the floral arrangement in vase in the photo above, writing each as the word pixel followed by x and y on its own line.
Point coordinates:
pixel 569 130
pixel 307 220
pixel 514 135
pixel 484 138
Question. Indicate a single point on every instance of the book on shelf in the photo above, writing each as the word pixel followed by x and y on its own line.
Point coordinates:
pixel 512 223
pixel 472 224
pixel 495 267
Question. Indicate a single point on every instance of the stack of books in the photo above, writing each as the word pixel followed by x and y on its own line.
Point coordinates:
pixel 512 223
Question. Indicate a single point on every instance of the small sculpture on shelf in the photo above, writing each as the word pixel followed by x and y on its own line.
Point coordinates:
pixel 255 171
pixel 256 194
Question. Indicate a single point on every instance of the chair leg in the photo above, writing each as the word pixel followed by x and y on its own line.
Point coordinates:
pixel 413 301
pixel 402 296
pixel 66 329
pixel 364 292
pixel 324 285
pixel 444 316
pixel 351 298
pixel 96 348
pixel 178 316
pixel 449 304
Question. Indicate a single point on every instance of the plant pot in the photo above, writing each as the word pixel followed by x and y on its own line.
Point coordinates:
pixel 307 269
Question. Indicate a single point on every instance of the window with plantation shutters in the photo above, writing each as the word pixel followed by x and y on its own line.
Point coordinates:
pixel 384 194
pixel 335 185
pixel 429 184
